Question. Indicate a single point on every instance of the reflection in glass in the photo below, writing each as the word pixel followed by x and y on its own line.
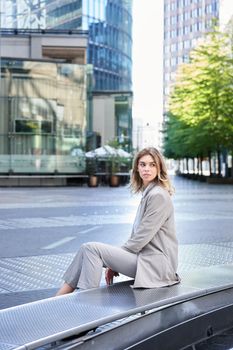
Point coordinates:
pixel 43 117
pixel 109 23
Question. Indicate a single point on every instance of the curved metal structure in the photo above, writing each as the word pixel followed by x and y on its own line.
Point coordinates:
pixel 125 318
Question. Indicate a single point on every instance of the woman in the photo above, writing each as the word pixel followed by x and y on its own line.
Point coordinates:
pixel 150 255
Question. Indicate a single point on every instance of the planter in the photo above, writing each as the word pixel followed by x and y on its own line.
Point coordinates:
pixel 114 180
pixel 92 181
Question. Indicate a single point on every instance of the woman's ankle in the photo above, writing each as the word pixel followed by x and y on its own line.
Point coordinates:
pixel 65 289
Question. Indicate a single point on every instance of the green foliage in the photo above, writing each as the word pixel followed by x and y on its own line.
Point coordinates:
pixel 201 103
pixel 114 164
pixel 91 166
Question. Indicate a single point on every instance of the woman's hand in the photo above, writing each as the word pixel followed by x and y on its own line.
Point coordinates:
pixel 109 274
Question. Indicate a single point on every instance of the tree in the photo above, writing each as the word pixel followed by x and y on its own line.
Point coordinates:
pixel 202 97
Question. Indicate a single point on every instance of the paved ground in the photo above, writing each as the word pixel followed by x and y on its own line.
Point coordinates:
pixel 41 228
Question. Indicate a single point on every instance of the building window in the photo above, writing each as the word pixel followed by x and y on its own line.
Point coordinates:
pixel 200 26
pixel 173 20
pixel 167 8
pixel 167 62
pixel 186 30
pixel 166 35
pixel 167 90
pixel 179 31
pixel 199 11
pixel 180 45
pixel 186 44
pixel 194 13
pixel 185 58
pixel 167 76
pixel 167 49
pixel 173 61
pixel 173 33
pixel 208 8
pixel 173 6
pixel 166 22
pixel 194 27
pixel 186 16
pixel 173 47
pixel 179 18
pixel 186 2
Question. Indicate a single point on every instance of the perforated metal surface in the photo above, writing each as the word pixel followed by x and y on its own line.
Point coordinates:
pixel 56 318
pixel 31 273
pixel 35 272
pixel 194 256
pixel 81 310
pixel 45 271
pixel 6 346
pixel 210 278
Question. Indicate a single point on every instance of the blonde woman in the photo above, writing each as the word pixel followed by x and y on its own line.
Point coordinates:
pixel 150 255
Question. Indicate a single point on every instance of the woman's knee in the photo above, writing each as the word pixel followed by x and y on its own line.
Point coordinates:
pixel 89 246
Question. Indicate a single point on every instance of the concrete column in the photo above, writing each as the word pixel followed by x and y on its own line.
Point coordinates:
pixel 35 47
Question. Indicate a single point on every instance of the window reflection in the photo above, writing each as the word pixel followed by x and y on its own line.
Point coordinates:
pixel 43 109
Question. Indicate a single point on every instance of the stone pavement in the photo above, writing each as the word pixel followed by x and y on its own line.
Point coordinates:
pixel 28 278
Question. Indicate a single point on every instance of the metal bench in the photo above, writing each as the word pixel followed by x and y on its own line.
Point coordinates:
pixel 136 316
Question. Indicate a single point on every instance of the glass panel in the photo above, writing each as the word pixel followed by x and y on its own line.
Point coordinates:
pixel 123 120
pixel 102 10
pixel 44 124
pixel 85 7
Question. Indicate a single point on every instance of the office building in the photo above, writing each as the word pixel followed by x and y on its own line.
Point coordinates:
pixel 65 82
pixel 109 50
pixel 185 21
pixel 43 104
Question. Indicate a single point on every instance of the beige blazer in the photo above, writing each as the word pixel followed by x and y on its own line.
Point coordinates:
pixel 154 240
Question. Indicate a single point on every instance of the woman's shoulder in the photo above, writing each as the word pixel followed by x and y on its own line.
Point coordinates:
pixel 159 196
pixel 159 190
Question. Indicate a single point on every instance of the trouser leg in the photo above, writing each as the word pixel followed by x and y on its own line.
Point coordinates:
pixel 85 270
pixel 71 276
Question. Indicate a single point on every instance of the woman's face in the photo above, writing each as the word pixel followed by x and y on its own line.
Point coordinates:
pixel 147 169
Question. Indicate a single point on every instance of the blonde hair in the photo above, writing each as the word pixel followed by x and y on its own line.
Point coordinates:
pixel 162 179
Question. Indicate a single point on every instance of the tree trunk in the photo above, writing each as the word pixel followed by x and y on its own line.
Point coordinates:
pixel 231 172
pixel 193 165
pixel 187 165
pixel 178 166
pixel 219 162
pixel 210 165
pixel 201 168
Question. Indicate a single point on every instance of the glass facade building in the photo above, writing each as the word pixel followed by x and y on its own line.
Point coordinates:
pixel 44 124
pixel 47 102
pixel 185 21
pixel 109 23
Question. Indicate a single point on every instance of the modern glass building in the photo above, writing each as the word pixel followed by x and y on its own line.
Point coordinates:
pixel 89 104
pixel 43 109
pixel 185 21
pixel 109 23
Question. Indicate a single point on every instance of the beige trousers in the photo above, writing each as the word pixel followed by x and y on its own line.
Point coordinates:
pixel 85 270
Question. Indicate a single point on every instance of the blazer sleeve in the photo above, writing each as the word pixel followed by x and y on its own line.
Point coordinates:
pixel 156 213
